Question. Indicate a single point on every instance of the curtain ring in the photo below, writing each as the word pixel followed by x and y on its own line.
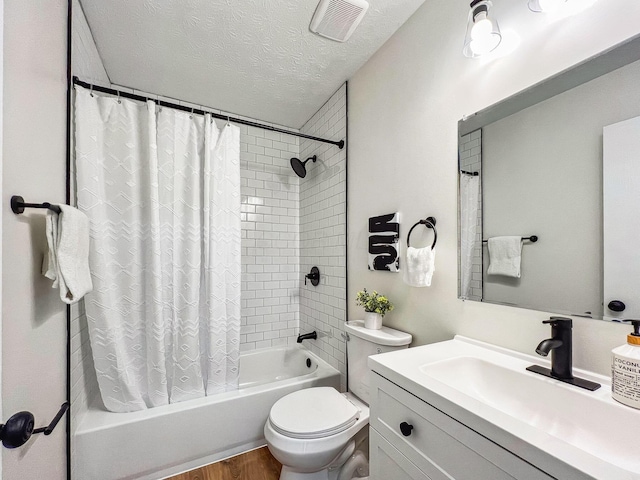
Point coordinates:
pixel 119 101
pixel 91 90
pixel 228 121
pixel 191 116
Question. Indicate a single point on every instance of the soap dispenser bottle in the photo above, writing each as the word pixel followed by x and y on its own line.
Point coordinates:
pixel 625 369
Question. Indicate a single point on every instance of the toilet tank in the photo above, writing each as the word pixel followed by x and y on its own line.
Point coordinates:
pixel 363 342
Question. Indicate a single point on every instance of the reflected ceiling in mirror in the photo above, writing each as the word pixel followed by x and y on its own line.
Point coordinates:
pixel 539 158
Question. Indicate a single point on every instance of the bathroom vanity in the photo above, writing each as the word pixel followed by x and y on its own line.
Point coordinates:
pixel 467 410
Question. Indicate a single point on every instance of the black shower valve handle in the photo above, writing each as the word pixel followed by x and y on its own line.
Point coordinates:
pixel 314 276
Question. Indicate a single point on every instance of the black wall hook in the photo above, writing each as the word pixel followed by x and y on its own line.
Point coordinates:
pixel 18 429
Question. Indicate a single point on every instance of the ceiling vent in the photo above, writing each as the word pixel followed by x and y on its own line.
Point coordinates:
pixel 337 19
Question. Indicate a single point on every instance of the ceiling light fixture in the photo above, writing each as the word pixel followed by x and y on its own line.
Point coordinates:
pixel 545 5
pixel 483 34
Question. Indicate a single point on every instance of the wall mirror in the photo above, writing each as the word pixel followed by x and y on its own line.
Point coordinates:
pixel 559 161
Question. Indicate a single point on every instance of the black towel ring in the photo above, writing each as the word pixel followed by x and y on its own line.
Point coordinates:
pixel 430 222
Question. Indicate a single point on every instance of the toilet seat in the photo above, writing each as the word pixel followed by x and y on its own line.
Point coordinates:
pixel 313 413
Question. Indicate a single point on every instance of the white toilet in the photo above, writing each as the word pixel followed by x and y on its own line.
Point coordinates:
pixel 312 432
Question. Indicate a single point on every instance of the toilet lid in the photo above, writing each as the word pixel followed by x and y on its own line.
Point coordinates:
pixel 313 413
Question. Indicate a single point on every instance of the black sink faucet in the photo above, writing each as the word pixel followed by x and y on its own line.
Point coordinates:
pixel 560 346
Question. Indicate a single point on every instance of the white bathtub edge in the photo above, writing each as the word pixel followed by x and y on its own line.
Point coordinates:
pixel 192 436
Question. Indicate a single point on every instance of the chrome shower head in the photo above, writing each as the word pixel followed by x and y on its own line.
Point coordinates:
pixel 299 166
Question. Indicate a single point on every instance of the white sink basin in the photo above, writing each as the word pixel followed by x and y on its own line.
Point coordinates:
pixel 488 385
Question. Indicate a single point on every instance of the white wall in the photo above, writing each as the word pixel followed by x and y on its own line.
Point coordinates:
pixel 543 176
pixel 404 105
pixel 34 151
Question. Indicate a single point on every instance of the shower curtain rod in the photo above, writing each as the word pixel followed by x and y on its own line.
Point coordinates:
pixel 142 98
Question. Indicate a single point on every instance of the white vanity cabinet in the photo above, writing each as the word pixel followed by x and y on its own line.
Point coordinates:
pixel 437 446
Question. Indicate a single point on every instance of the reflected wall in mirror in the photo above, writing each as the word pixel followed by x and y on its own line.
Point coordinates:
pixel 539 158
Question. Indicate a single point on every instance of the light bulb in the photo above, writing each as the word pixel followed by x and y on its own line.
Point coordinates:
pixel 483 33
pixel 484 44
pixel 481 28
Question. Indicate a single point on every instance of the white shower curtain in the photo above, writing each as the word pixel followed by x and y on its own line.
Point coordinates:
pixel 469 200
pixel 161 188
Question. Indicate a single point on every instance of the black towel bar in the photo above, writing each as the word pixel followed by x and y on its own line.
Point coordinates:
pixel 430 222
pixel 18 205
pixel 532 239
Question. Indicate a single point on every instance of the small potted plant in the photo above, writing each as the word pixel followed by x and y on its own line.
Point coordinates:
pixel 375 307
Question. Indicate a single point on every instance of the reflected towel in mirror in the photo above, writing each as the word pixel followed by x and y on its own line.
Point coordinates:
pixel 505 254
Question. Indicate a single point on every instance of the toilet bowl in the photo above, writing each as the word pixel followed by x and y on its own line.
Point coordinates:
pixel 307 448
pixel 312 432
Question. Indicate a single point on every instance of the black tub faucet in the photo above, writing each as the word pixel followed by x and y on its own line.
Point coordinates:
pixel 560 346
pixel 308 336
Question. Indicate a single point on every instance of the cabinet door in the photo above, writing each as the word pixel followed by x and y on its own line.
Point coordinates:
pixel 387 463
pixel 437 444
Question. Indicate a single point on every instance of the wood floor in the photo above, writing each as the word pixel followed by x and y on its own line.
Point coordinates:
pixel 254 465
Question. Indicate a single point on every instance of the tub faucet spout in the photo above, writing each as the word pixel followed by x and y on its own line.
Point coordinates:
pixel 308 336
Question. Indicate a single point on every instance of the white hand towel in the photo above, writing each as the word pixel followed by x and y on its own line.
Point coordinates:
pixel 50 261
pixel 420 266
pixel 505 254
pixel 67 262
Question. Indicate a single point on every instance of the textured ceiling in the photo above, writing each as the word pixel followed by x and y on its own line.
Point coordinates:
pixel 251 57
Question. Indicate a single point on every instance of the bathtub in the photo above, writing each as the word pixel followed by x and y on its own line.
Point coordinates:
pixel 163 441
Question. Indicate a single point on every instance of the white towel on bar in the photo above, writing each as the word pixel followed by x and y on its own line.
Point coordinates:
pixel 67 260
pixel 505 254
pixel 420 266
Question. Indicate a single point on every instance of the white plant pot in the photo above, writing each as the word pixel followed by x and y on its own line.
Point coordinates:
pixel 372 320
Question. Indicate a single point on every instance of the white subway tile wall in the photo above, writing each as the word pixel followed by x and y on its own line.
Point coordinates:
pixel 323 239
pixel 270 239
pixel 471 161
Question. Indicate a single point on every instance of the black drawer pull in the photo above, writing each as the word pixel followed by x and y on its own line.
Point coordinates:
pixel 406 428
